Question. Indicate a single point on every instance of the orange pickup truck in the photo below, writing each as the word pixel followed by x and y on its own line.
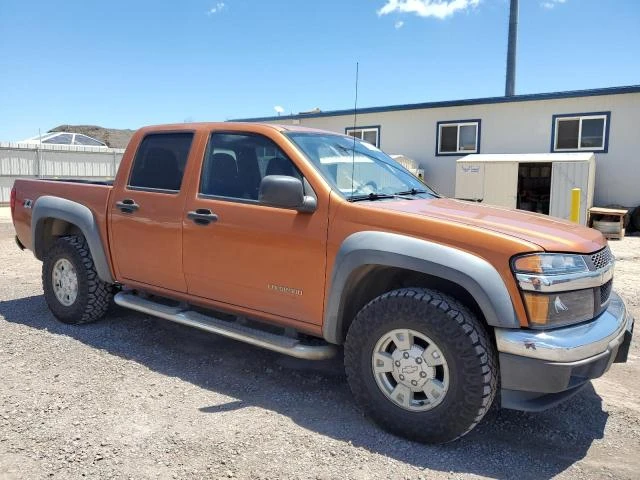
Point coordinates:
pixel 301 240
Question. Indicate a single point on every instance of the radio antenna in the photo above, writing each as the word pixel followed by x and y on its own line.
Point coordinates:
pixel 355 122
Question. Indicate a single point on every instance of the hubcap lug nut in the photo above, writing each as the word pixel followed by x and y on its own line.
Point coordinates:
pixel 401 377
pixel 397 363
pixel 423 374
pixel 414 383
pixel 405 355
pixel 418 360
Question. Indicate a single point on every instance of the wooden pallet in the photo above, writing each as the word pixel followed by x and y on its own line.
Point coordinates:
pixel 618 213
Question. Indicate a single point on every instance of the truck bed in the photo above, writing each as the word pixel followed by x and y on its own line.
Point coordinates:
pixel 94 194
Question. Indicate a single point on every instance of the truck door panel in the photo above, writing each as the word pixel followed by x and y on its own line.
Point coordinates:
pixel 147 210
pixel 268 259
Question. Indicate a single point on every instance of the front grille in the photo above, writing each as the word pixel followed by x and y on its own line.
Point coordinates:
pixel 597 261
pixel 602 258
pixel 605 292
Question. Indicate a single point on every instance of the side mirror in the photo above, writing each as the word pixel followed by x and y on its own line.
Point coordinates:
pixel 285 192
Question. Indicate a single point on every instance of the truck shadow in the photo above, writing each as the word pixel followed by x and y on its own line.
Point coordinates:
pixel 315 395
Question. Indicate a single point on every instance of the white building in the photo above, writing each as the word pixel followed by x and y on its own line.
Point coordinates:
pixel 604 121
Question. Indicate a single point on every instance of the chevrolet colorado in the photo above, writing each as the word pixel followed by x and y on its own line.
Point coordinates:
pixel 300 240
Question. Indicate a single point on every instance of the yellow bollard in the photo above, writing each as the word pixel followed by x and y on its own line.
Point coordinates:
pixel 574 216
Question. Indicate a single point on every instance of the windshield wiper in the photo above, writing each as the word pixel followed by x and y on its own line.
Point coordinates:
pixel 413 191
pixel 370 196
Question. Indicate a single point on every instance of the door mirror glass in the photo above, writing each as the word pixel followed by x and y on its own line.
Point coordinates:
pixel 285 192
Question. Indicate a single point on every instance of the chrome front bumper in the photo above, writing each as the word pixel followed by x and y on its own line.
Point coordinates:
pixel 573 343
pixel 540 368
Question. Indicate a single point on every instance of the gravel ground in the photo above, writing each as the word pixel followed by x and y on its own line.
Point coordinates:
pixel 136 397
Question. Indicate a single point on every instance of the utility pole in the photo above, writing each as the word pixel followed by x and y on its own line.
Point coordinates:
pixel 510 85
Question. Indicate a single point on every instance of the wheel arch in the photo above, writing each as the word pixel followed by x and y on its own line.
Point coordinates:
pixel 54 217
pixel 369 264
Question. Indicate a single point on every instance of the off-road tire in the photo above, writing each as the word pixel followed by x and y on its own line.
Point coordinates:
pixel 465 344
pixel 94 296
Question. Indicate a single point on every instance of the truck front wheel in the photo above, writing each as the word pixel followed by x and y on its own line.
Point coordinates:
pixel 72 289
pixel 421 365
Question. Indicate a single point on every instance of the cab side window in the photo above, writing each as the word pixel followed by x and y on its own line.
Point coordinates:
pixel 160 161
pixel 235 164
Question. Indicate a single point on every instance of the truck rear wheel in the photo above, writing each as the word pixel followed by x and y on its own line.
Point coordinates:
pixel 72 289
pixel 421 365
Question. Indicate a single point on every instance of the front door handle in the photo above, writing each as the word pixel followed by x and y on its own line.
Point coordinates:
pixel 127 206
pixel 202 216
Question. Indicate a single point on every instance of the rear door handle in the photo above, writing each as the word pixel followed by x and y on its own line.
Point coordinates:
pixel 127 206
pixel 202 216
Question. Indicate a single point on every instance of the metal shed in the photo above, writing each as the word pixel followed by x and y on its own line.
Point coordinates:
pixel 537 182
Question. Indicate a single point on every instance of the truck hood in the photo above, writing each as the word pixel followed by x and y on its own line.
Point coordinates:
pixel 551 234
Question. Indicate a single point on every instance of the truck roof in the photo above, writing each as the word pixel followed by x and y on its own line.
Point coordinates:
pixel 232 125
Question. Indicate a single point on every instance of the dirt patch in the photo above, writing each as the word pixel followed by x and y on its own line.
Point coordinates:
pixel 136 397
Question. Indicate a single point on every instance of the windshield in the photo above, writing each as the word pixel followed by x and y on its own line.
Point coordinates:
pixel 357 169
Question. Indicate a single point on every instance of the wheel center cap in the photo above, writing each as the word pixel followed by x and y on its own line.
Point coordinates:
pixel 410 369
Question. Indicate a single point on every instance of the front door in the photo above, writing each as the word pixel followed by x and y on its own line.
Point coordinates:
pixel 146 213
pixel 268 259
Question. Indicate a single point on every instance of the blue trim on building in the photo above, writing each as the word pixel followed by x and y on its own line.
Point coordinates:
pixel 585 114
pixel 458 103
pixel 359 127
pixel 455 122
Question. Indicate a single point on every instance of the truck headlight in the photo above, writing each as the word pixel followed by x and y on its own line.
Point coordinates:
pixel 550 264
pixel 552 289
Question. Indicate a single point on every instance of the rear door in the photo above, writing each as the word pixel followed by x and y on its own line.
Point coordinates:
pixel 147 210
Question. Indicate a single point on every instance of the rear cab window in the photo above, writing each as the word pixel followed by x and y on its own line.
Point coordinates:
pixel 160 162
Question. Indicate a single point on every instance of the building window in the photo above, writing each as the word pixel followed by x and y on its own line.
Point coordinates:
pixel 367 134
pixel 577 132
pixel 459 137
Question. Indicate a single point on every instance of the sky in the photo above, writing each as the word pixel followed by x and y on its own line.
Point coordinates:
pixel 129 63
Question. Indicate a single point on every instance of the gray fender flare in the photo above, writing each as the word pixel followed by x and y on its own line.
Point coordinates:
pixel 76 214
pixel 472 273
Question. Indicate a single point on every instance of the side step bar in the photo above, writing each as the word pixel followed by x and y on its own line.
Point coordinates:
pixel 253 336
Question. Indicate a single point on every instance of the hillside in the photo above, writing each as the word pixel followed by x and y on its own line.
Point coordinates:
pixel 113 137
